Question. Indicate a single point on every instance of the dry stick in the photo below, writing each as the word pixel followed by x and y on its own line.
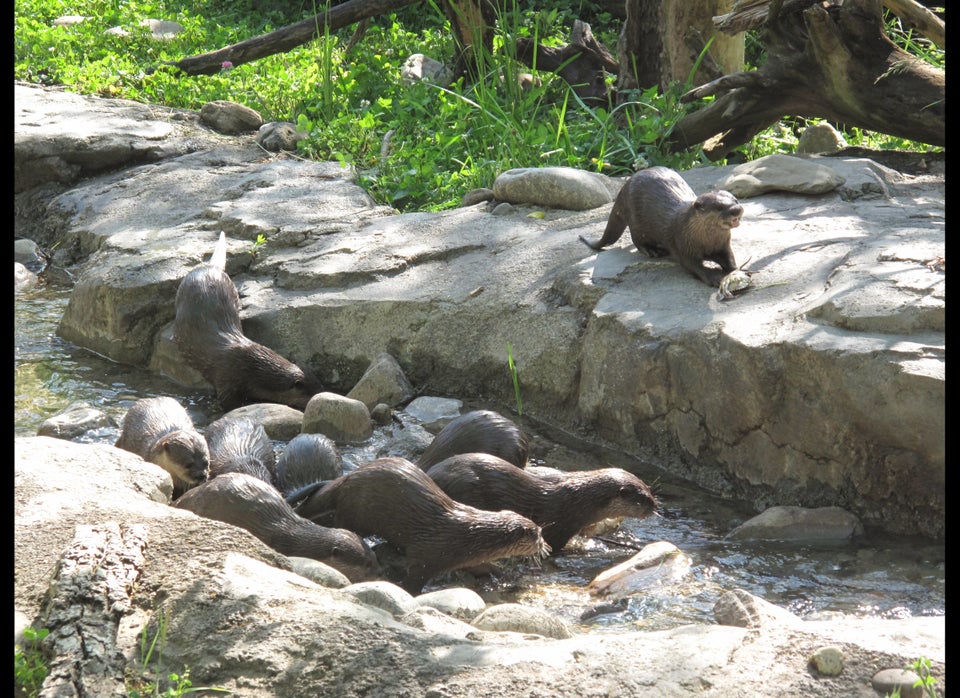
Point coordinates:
pixel 288 37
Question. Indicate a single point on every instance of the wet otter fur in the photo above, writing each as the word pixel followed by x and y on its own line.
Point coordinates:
pixel 240 445
pixel 307 459
pixel 394 499
pixel 666 217
pixel 159 430
pixel 562 503
pixel 483 431
pixel 208 333
pixel 250 503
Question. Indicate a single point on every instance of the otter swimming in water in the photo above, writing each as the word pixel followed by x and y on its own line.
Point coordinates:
pixel 208 333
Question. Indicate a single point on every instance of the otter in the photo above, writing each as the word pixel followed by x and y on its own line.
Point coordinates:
pixel 249 503
pixel 478 431
pixel 159 430
pixel 307 459
pixel 666 217
pixel 207 331
pixel 562 503
pixel 394 499
pixel 240 445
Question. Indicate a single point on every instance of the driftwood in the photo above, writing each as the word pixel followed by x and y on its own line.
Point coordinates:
pixel 584 63
pixel 289 37
pixel 829 62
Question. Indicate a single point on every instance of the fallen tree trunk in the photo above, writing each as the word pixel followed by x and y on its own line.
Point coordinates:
pixel 831 62
pixel 289 37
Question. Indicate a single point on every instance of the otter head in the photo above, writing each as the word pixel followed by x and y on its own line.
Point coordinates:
pixel 722 205
pixel 183 454
pixel 259 374
pixel 633 498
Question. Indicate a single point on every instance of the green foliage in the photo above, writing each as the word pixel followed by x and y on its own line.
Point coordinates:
pixel 30 662
pixel 138 682
pixel 414 147
pixel 929 684
pixel 516 378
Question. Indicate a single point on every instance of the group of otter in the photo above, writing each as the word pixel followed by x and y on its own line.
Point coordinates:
pixel 471 497
pixel 460 507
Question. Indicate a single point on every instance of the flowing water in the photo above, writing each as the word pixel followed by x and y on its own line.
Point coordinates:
pixel 878 575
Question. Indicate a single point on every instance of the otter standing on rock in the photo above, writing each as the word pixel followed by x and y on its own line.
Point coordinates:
pixel 159 430
pixel 562 503
pixel 208 334
pixel 240 445
pixel 394 499
pixel 483 431
pixel 256 506
pixel 666 216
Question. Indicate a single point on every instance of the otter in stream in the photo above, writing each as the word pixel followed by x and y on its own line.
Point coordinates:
pixel 483 431
pixel 159 430
pixel 208 334
pixel 240 445
pixel 562 503
pixel 666 217
pixel 394 499
pixel 256 506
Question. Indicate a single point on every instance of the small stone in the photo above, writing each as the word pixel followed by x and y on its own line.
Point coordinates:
pixel 828 661
pixel 886 681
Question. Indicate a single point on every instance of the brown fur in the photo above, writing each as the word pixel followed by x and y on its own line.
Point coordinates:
pixel 256 506
pixel 483 431
pixel 159 430
pixel 562 503
pixel 394 499
pixel 307 459
pixel 666 217
pixel 208 334
pixel 240 445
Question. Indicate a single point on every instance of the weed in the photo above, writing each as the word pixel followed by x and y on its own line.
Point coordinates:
pixel 30 662
pixel 516 378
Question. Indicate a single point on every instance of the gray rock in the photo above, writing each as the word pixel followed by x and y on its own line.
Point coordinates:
pixel 76 420
pixel 420 67
pixel 434 621
pixel 557 187
pixel 281 422
pixel 820 138
pixel 384 381
pixel 517 618
pixel 162 29
pixel 167 360
pixel 279 135
pixel 477 196
pixel 319 572
pixel 799 524
pixel 781 173
pixel 383 595
pixel 744 610
pixel 23 278
pixel 828 661
pixel 886 681
pixel 434 412
pixel 342 419
pixel 459 602
pixel 382 414
pixel 229 117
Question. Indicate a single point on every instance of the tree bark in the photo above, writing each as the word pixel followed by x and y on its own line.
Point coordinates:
pixel 584 63
pixel 289 37
pixel 834 63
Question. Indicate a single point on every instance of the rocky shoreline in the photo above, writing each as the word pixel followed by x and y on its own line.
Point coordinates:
pixel 823 384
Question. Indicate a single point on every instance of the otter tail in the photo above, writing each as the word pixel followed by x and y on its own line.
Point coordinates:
pixel 219 257
pixel 616 223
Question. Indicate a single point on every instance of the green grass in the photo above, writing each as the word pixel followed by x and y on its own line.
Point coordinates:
pixel 30 662
pixel 418 147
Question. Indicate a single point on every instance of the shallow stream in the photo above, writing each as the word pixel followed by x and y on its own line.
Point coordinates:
pixel 875 576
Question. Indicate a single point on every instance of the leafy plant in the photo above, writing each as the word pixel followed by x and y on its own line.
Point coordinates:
pixel 516 378
pixel 30 662
pixel 927 682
